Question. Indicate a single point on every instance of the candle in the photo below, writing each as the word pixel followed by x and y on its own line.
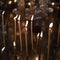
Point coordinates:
pixel 58 36
pixel 3 27
pixel 49 34
pixel 15 26
pixel 31 31
pixel 20 31
pixel 14 43
pixel 26 38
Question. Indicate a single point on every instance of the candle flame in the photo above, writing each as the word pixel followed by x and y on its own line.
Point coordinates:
pixel 3 12
pixel 3 49
pixel 36 58
pixel 15 17
pixel 41 35
pixel 38 34
pixel 53 3
pixel 29 3
pixel 14 44
pixel 9 2
pixel 32 17
pixel 15 0
pixel 51 25
pixel 19 17
pixel 26 23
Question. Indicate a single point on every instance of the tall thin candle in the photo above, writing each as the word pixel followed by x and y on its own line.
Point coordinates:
pixel 20 31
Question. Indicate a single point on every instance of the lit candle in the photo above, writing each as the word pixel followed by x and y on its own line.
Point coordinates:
pixel 41 35
pixel 37 58
pixel 10 2
pixel 38 37
pixel 3 27
pixel 14 44
pixel 20 31
pixel 15 26
pixel 49 42
pixel 3 49
pixel 52 3
pixel 26 39
pixel 31 31
pixel 15 1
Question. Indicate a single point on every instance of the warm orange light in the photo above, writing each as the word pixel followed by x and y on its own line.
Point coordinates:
pixel 3 12
pixel 51 25
pixel 38 35
pixel 15 1
pixel 26 23
pixel 9 2
pixel 37 58
pixel 14 43
pixel 3 49
pixel 29 3
pixel 19 17
pixel 53 3
pixel 32 17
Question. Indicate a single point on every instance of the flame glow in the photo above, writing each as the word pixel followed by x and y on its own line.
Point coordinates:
pixel 3 49
pixel 26 23
pixel 19 17
pixel 15 17
pixel 32 17
pixel 3 12
pixel 51 25
pixel 15 0
pixel 38 35
pixel 14 44
pixel 9 2
pixel 41 35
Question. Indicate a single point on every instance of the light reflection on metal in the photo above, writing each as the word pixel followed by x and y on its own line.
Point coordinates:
pixel 3 49
pixel 14 43
pixel 10 2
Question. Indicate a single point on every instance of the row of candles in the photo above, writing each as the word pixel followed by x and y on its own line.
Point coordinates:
pixel 39 34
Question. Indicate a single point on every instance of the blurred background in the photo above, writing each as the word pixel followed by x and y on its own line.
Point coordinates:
pixel 29 30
